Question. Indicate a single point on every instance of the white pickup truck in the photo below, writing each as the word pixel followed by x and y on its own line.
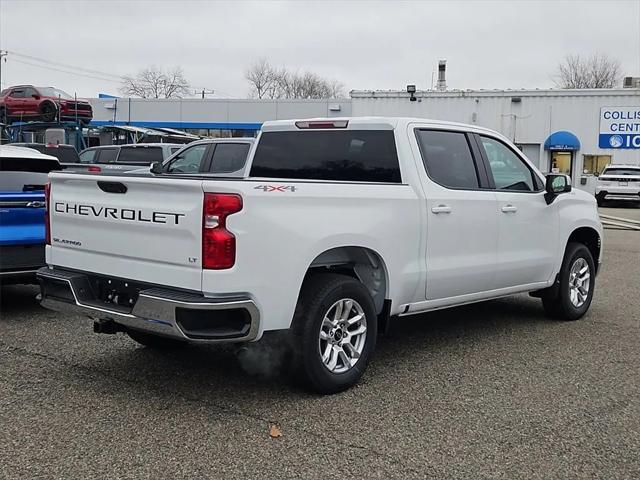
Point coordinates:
pixel 336 226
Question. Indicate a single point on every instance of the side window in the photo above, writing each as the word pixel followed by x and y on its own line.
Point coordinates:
pixel 29 92
pixel 229 157
pixel 447 158
pixel 188 161
pixel 17 93
pixel 509 170
pixel 87 156
pixel 174 150
pixel 107 155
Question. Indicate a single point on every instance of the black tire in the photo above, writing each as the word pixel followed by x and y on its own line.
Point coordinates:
pixel 3 115
pixel 560 305
pixel 318 296
pixel 156 342
pixel 48 112
pixel 600 200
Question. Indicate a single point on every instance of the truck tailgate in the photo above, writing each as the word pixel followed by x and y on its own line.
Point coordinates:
pixel 145 229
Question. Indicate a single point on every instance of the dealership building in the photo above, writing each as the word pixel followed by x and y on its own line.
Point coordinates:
pixel 577 132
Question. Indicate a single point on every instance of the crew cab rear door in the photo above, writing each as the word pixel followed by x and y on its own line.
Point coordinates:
pixel 461 218
pixel 139 228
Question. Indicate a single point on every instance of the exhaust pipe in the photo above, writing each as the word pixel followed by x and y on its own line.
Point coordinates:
pixel 107 326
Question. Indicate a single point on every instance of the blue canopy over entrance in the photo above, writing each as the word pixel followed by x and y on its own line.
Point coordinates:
pixel 562 140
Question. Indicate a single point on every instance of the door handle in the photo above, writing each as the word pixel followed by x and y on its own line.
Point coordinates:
pixel 509 208
pixel 441 209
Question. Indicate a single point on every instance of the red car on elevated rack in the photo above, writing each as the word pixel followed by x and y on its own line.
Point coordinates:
pixel 47 104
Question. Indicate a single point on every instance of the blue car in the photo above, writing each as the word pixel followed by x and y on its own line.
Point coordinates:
pixel 23 176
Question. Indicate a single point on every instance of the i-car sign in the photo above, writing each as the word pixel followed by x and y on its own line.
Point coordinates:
pixel 619 127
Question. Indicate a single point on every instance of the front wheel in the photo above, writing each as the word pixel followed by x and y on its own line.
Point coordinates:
pixel 48 112
pixel 334 332
pixel 576 285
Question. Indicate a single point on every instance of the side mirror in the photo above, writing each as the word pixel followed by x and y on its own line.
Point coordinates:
pixel 36 96
pixel 555 185
pixel 156 167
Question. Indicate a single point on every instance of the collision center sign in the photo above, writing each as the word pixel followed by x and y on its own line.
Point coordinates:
pixel 619 127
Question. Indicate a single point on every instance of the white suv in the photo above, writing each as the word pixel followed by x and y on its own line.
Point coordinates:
pixel 619 182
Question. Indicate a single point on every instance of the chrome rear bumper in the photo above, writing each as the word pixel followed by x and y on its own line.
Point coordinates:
pixel 161 311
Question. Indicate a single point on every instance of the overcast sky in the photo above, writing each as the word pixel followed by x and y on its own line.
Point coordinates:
pixel 365 45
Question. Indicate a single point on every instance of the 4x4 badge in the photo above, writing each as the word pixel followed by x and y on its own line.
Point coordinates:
pixel 275 188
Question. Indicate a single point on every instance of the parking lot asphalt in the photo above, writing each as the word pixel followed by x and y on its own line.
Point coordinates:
pixel 492 390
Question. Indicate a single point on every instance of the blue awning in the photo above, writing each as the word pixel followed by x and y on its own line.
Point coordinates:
pixel 562 140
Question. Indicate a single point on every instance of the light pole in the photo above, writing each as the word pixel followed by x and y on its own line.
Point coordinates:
pixel 3 54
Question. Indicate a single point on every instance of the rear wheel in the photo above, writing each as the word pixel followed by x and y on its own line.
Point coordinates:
pixel 600 200
pixel 576 285
pixel 155 342
pixel 48 111
pixel 334 332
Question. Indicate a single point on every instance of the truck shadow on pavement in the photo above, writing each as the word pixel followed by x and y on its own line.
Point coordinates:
pixel 220 373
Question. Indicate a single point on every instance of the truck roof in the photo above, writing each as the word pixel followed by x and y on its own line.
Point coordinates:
pixel 369 123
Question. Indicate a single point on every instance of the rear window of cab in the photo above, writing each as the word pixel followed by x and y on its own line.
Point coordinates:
pixel 146 155
pixel 347 155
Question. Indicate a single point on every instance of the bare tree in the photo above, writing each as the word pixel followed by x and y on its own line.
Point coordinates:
pixel 596 71
pixel 267 81
pixel 261 75
pixel 153 82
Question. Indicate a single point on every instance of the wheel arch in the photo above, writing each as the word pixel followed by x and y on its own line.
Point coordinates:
pixel 589 237
pixel 47 101
pixel 362 263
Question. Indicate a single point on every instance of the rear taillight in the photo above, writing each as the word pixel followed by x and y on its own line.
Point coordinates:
pixel 47 223
pixel 218 243
pixel 94 169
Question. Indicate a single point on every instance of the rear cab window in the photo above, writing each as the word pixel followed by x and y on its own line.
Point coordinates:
pixel 107 155
pixel 140 155
pixel 229 157
pixel 345 155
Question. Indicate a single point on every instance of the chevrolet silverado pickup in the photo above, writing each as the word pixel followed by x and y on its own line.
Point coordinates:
pixel 335 227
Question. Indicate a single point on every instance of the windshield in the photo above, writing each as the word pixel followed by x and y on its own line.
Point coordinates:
pixel 54 92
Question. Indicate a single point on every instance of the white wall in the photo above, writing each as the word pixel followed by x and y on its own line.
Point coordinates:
pixel 208 113
pixel 530 121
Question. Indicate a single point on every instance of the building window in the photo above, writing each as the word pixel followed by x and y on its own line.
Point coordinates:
pixel 594 164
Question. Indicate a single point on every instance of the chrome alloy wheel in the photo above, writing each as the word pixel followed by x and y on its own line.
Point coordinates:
pixel 343 334
pixel 579 282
